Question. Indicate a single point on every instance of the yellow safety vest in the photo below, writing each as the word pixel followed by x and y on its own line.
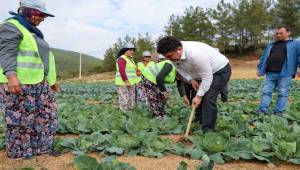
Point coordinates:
pixel 152 71
pixel 30 68
pixel 142 67
pixel 130 72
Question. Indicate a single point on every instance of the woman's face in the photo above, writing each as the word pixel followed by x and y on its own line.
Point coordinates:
pixel 147 58
pixel 37 19
pixel 33 16
pixel 130 52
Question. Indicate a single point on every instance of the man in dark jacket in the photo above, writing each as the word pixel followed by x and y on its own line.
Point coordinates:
pixel 279 63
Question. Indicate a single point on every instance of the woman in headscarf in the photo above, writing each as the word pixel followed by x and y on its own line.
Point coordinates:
pixel 144 63
pixel 154 79
pixel 126 77
pixel 28 83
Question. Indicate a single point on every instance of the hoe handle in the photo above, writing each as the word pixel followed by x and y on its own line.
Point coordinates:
pixel 190 122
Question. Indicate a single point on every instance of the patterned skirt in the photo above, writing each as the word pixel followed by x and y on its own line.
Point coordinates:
pixel 30 120
pixel 155 98
pixel 126 97
pixel 141 94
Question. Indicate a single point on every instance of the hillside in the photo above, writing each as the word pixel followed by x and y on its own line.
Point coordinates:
pixel 67 64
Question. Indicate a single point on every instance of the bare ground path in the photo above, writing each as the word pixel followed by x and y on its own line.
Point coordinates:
pixel 168 162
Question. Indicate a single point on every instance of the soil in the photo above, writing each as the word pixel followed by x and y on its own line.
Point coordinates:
pixel 168 162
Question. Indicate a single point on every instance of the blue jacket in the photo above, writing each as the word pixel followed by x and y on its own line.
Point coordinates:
pixel 292 60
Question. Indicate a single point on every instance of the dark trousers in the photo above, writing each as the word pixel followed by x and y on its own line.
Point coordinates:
pixel 208 108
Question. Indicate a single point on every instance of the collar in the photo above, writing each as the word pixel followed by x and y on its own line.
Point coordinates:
pixel 183 56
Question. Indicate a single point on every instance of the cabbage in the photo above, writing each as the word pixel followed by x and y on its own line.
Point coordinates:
pixel 157 144
pixel 215 142
pixel 2 144
pixel 125 141
pixel 137 124
pixel 168 124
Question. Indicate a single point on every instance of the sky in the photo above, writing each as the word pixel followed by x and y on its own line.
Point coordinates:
pixel 92 26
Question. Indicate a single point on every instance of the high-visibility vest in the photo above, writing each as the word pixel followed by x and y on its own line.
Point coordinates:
pixel 152 71
pixel 30 68
pixel 130 70
pixel 141 67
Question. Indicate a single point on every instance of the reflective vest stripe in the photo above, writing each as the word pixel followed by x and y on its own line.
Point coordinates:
pixel 128 76
pixel 28 53
pixel 30 65
pixel 129 71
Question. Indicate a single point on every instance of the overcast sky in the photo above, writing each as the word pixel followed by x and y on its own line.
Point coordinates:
pixel 92 26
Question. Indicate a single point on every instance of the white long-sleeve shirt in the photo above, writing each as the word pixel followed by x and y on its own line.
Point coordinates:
pixel 200 61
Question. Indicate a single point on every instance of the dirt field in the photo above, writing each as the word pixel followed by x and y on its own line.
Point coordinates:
pixel 242 69
pixel 169 162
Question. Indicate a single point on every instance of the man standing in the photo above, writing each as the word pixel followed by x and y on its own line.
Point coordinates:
pixel 194 61
pixel 279 62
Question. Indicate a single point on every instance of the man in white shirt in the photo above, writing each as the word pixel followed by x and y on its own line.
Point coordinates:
pixel 193 61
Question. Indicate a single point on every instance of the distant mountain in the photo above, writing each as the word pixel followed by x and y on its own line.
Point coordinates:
pixel 67 64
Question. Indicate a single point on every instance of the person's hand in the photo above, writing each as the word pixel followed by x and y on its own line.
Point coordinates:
pixel 165 93
pixel 14 85
pixel 194 84
pixel 55 87
pixel 257 73
pixel 196 101
pixel 298 72
pixel 186 100
pixel 138 72
pixel 127 83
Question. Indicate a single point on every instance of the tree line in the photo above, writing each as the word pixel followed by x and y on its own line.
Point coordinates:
pixel 238 28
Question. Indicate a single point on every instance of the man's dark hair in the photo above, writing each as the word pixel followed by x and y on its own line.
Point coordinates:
pixel 285 27
pixel 168 44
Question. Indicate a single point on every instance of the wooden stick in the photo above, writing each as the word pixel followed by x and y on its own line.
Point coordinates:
pixel 190 122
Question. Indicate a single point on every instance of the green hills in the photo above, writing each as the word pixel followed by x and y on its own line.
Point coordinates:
pixel 67 64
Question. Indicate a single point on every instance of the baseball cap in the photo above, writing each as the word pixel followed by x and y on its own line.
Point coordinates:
pixel 146 54
pixel 36 4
